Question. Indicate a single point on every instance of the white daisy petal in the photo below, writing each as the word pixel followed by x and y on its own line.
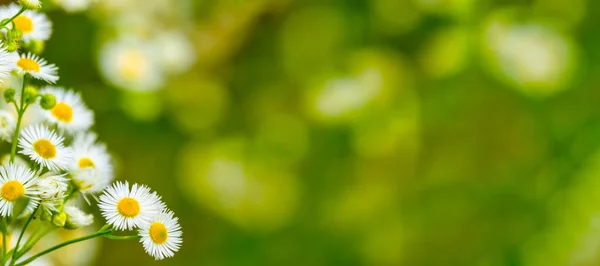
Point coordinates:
pixel 76 218
pixel 126 208
pixel 6 64
pixel 44 147
pixel 161 237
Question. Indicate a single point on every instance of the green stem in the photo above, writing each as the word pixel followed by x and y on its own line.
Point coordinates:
pixel 32 258
pixel 31 241
pixel 122 237
pixel 20 112
pixel 104 227
pixel 13 17
pixel 16 249
pixel 4 236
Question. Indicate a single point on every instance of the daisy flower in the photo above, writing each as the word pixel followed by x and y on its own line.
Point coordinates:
pixel 91 168
pixel 52 188
pixel 31 4
pixel 35 66
pixel 125 208
pixel 16 182
pixel 76 218
pixel 8 124
pixel 35 25
pixel 70 113
pixel 161 237
pixel 44 147
pixel 131 64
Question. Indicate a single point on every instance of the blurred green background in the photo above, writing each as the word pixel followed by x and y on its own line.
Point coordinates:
pixel 357 132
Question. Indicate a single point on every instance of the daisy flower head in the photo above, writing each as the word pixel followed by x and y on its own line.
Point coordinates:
pixel 34 25
pixel 16 182
pixel 35 66
pixel 91 168
pixel 52 188
pixel 126 208
pixel 131 64
pixel 31 4
pixel 161 237
pixel 45 147
pixel 8 124
pixel 69 113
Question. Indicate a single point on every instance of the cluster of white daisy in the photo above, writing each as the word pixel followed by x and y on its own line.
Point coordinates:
pixel 55 160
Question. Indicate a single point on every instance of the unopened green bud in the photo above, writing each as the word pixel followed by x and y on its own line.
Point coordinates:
pixel 48 101
pixel 15 35
pixel 9 95
pixel 31 4
pixel 36 47
pixel 30 95
pixel 12 47
pixel 59 219
pixel 46 216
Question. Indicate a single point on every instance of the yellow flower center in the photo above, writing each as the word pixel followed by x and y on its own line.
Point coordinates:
pixel 128 207
pixel 45 148
pixel 158 233
pixel 28 64
pixel 86 162
pixel 24 24
pixel 62 112
pixel 12 190
pixel 133 65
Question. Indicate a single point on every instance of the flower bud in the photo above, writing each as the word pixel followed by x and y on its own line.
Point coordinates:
pixel 59 219
pixel 46 216
pixel 15 35
pixel 30 4
pixel 30 94
pixel 52 187
pixel 12 47
pixel 9 95
pixel 48 101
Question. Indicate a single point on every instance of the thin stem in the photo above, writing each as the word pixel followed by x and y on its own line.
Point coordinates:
pixel 32 258
pixel 20 112
pixel 104 227
pixel 13 260
pixel 4 236
pixel 13 17
pixel 33 240
pixel 122 237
